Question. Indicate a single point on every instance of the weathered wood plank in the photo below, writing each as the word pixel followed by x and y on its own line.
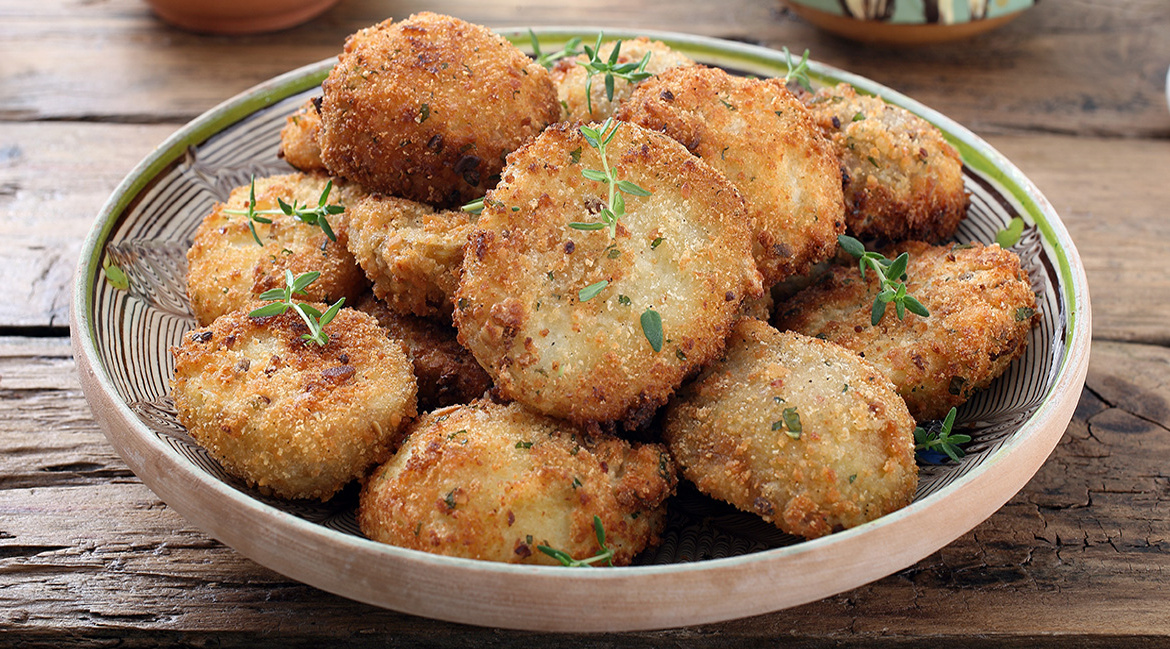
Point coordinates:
pixel 1076 67
pixel 1110 196
pixel 55 176
pixel 88 554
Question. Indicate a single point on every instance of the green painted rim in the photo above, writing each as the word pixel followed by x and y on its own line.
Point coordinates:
pixel 752 59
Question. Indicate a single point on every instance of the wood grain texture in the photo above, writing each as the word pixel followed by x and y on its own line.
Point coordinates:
pixel 62 57
pixel 90 554
pixel 54 177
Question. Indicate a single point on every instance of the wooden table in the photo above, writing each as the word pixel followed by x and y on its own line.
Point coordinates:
pixel 1072 92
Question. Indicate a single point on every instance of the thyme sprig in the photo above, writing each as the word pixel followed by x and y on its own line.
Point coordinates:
pixel 632 72
pixel 892 278
pixel 603 554
pixel 932 444
pixel 310 215
pixel 615 206
pixel 313 318
pixel 571 48
pixel 799 72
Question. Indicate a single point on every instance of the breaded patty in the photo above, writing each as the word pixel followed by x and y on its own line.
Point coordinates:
pixel 902 179
pixel 447 373
pixel 571 78
pixel 299 145
pixel 411 252
pixel 797 430
pixel 427 108
pixel 227 269
pixel 981 311
pixel 292 418
pixel 681 255
pixel 492 482
pixel 757 134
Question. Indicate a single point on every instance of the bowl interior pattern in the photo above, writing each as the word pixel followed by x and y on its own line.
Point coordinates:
pixel 133 330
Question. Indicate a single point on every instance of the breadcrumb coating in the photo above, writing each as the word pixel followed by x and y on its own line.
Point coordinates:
pixel 292 418
pixel 447 373
pixel 571 78
pixel 796 430
pixel 492 482
pixel 981 306
pixel 227 269
pixel 299 139
pixel 763 139
pixel 682 253
pixel 428 107
pixel 410 251
pixel 902 179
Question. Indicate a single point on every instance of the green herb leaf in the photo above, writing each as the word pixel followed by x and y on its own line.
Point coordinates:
pixel 591 291
pixel 268 310
pixel 312 318
pixel 652 328
pixel 891 277
pixel 603 554
pixel 115 276
pixel 1010 235
pixel 799 72
pixel 315 216
pixel 630 72
pixel 941 441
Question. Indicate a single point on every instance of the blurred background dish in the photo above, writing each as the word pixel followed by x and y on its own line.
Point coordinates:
pixel 908 22
pixel 238 16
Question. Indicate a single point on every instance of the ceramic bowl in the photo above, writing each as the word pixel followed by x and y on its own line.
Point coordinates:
pixel 714 563
pixel 908 22
pixel 238 16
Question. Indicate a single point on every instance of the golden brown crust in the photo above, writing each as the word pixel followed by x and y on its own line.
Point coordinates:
pixel 757 134
pixel 227 269
pixel 299 144
pixel 427 108
pixel 411 252
pixel 447 373
pixel 571 79
pixel 491 482
pixel 683 251
pixel 903 180
pixel 294 419
pixel 851 462
pixel 981 311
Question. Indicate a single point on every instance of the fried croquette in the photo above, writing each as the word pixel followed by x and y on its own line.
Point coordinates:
pixel 299 145
pixel 494 482
pixel 447 373
pixel 293 418
pixel 797 430
pixel 981 311
pixel 762 138
pixel 572 79
pixel 227 269
pixel 902 179
pixel 411 252
pixel 566 320
pixel 427 108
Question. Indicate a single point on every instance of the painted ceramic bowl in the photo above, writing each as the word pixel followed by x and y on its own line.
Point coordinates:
pixel 908 22
pixel 714 563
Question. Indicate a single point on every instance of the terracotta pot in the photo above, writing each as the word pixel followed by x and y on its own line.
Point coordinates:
pixel 238 16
